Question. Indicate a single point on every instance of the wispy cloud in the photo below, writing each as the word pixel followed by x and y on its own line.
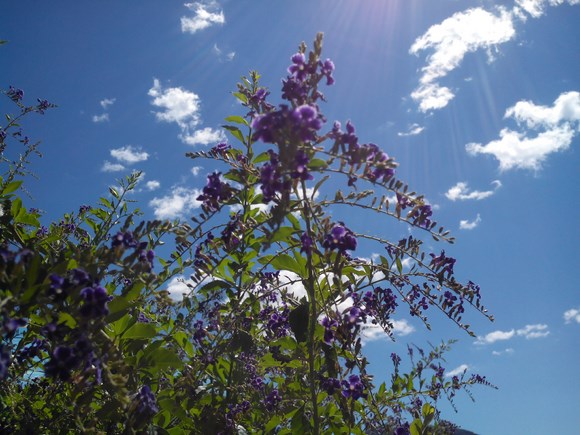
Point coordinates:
pixel 413 130
pixel 223 56
pixel 106 102
pixel 449 42
pixel 529 332
pixel 537 8
pixel 507 351
pixel 182 107
pixel 129 154
pixel 462 192
pixel 555 126
pixel 467 225
pixel 177 203
pixel 205 14
pixel 572 315
pixel 457 371
pixel 112 167
pixel 195 170
pixel 100 118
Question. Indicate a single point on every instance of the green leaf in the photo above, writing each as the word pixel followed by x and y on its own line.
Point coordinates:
pixel 236 132
pixel 140 330
pixel 274 421
pixel 237 120
pixel 11 187
pixel 240 97
pixel 285 262
pixel 399 265
pixel 164 359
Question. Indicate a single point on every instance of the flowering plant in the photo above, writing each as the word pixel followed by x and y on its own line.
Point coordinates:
pixel 269 337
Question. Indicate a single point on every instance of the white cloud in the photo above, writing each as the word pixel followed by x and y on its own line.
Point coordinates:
pixel 508 351
pixel 466 225
pixel 220 54
pixel 195 170
pixel 182 107
pixel 494 336
pixel 560 123
pixel 413 130
pixel 107 102
pixel 533 331
pixel 529 332
pixel 572 315
pixel 178 286
pixel 179 202
pixel 206 14
pixel 112 167
pixel 179 105
pixel 450 41
pixel 536 8
pixel 152 185
pixel 101 118
pixel 129 154
pixel 204 136
pixel 462 192
pixel 373 332
pixel 457 371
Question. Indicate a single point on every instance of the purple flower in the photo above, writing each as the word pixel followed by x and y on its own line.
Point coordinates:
pixel 5 361
pixel 306 242
pixel 353 388
pixel 301 160
pixel 63 360
pixel 215 192
pixel 341 238
pixel 96 299
pixel 330 385
pixel 442 264
pixel 273 400
pixel 123 239
pixel 146 404
pixel 43 105
pixel 421 215
pixel 326 69
pixel 329 327
pixel 299 67
pixel 15 94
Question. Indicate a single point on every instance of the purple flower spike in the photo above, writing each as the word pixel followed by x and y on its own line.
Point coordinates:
pixel 341 238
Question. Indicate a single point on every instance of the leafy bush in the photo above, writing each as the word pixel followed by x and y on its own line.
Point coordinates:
pixel 269 336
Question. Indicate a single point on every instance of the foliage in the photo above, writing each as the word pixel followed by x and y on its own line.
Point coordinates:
pixel 268 338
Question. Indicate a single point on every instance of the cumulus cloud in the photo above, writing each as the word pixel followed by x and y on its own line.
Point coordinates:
pixel 178 286
pixel 371 332
pixel 494 336
pixel 129 154
pixel 572 315
pixel 153 185
pixel 177 203
pixel 467 225
pixel 204 136
pixel 413 130
pixel 112 167
pixel 182 107
pixel 555 127
pixel 457 371
pixel 449 42
pixel 106 102
pixel 465 32
pixel 534 331
pixel 195 170
pixel 529 332
pixel 100 118
pixel 462 192
pixel 205 14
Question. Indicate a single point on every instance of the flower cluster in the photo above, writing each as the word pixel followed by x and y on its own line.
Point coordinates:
pixel 65 359
pixel 442 264
pixel 145 402
pixel 421 215
pixel 214 193
pixel 353 388
pixel 287 125
pixel 273 400
pixel 340 238
pixel 96 299
pixel 330 326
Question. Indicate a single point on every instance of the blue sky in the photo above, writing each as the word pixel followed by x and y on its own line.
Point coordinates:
pixel 478 100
